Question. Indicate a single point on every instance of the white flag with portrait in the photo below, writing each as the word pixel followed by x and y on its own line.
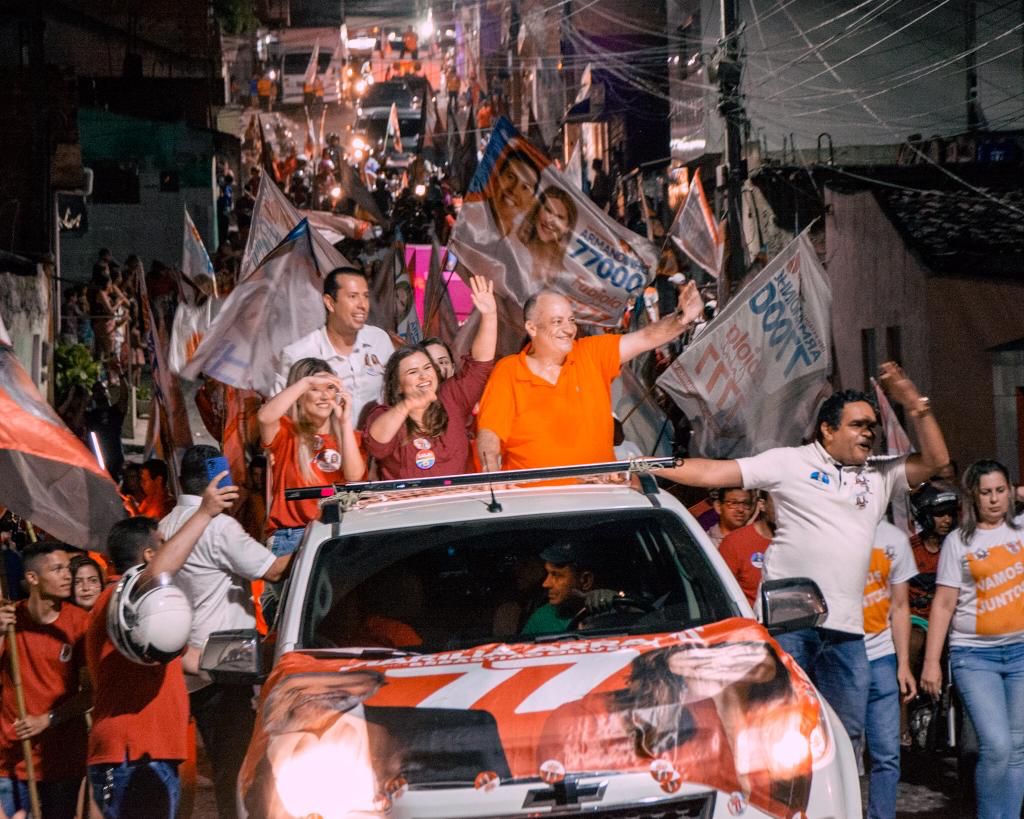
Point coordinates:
pixel 525 226
pixel 279 303
pixel 754 378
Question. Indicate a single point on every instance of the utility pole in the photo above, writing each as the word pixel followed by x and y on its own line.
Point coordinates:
pixel 974 118
pixel 730 108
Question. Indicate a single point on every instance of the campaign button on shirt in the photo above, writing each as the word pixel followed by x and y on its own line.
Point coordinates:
pixel 421 443
pixel 757 560
pixel 425 458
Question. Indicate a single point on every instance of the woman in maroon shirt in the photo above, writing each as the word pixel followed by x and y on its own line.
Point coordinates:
pixel 420 430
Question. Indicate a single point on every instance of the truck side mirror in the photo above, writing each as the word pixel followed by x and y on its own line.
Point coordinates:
pixel 791 604
pixel 233 657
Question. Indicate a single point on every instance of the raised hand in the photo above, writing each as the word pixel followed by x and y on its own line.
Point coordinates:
pixel 482 292
pixel 324 381
pixel 690 306
pixel 418 400
pixel 898 386
pixel 217 500
pixel 343 407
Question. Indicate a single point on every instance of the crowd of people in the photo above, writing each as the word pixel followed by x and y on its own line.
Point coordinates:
pixel 351 403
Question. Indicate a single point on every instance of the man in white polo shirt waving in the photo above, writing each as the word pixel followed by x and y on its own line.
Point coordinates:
pixel 829 499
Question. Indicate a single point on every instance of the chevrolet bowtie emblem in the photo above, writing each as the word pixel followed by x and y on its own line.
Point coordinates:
pixel 567 792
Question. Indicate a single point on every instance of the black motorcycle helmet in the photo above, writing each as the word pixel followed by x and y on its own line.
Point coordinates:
pixel 932 500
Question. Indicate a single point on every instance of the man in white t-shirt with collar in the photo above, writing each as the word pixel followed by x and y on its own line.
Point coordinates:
pixel 829 499
pixel 355 350
pixel 216 578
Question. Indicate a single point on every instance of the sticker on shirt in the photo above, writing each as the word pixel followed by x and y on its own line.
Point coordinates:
pixel 999 583
pixel 421 443
pixel 65 653
pixel 425 458
pixel 757 560
pixel 372 365
pixel 327 460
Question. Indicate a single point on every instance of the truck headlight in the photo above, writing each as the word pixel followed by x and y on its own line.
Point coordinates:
pixel 330 779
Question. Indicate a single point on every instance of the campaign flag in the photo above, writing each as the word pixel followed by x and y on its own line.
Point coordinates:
pixel 336 227
pixel 353 188
pixel 273 217
pixel 574 167
pixel 696 232
pixel 50 477
pixel 383 306
pixel 278 303
pixel 341 49
pixel 311 66
pixel 525 226
pixel 405 298
pixel 394 129
pixel 169 429
pixel 195 310
pixel 438 313
pixel 752 380
pixel 643 421
pixel 897 443
pixel 195 261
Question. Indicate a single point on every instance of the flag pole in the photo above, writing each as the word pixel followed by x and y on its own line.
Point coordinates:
pixel 19 698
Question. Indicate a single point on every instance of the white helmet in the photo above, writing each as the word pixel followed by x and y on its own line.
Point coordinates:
pixel 148 622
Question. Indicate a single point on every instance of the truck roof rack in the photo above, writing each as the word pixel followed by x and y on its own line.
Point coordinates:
pixel 345 491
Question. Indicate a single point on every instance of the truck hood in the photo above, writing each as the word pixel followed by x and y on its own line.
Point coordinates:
pixel 720 706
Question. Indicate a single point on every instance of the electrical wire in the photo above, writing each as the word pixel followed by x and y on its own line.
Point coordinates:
pixel 935 7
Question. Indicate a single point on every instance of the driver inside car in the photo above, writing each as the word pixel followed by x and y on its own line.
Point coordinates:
pixel 569 580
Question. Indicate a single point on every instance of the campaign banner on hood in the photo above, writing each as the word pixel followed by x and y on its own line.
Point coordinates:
pixel 753 379
pixel 279 303
pixel 50 478
pixel 526 226
pixel 719 707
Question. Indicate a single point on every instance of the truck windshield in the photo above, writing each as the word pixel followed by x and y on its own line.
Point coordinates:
pixel 475 582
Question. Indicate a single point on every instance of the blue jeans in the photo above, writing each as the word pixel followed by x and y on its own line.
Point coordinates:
pixel 143 789
pixel 991 683
pixel 883 735
pixel 282 542
pixel 837 664
pixel 57 800
pixel 286 541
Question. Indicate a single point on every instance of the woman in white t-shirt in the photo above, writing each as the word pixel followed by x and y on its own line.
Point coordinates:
pixel 980 588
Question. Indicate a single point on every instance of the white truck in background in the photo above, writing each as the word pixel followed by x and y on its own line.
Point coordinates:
pixel 293 50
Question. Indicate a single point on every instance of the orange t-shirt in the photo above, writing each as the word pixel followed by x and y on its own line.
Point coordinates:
pixel 157 508
pixel 138 710
pixel 543 424
pixel 285 473
pixel 52 657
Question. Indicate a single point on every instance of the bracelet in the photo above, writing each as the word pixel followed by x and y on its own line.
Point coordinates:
pixel 923 408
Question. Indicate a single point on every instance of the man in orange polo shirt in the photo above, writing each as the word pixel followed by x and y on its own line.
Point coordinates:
pixel 140 712
pixel 551 405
